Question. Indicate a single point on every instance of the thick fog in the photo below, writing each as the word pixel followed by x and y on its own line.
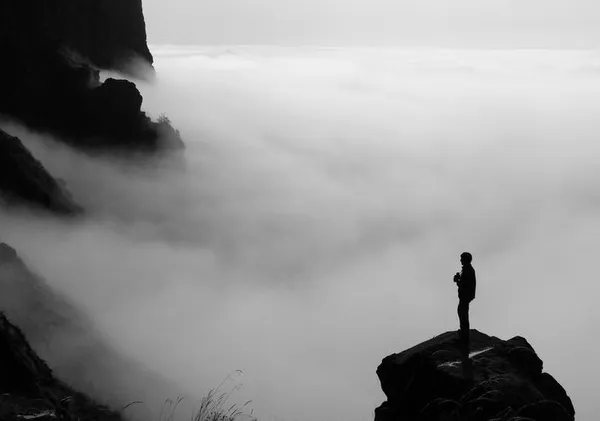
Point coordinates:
pixel 327 196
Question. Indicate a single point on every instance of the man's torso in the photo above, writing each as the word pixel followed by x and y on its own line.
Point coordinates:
pixel 467 284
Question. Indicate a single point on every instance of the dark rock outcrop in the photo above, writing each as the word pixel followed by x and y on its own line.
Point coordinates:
pixel 24 179
pixel 46 85
pixel 108 33
pixel 24 371
pixel 28 389
pixel 69 342
pixel 503 381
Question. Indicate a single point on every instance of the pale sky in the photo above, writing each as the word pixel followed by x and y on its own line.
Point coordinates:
pixel 456 23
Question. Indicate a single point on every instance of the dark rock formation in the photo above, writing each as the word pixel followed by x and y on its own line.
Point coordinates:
pixel 28 389
pixel 45 85
pixel 503 382
pixel 108 33
pixel 24 179
pixel 69 342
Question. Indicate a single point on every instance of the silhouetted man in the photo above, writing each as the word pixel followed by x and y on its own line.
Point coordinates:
pixel 465 280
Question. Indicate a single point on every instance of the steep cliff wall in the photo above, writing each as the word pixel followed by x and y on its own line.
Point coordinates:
pixel 107 32
pixel 28 389
pixel 45 87
pixel 24 179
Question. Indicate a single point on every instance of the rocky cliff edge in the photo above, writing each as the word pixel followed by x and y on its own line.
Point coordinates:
pixel 28 389
pixel 501 381
pixel 49 78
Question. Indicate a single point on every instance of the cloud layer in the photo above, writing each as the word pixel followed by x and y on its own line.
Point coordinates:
pixel 326 198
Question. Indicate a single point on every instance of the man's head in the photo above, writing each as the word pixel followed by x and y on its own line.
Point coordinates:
pixel 466 258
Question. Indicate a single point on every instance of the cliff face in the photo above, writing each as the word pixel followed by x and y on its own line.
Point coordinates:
pixel 49 81
pixel 502 381
pixel 46 85
pixel 28 388
pixel 24 179
pixel 107 32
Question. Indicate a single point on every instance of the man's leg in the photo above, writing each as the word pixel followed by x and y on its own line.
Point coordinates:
pixel 463 316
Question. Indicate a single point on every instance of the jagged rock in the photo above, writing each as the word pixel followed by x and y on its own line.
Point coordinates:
pixel 503 381
pixel 438 408
pixel 23 371
pixel 7 253
pixel 547 410
pixel 46 87
pixel 23 178
pixel 527 360
pixel 119 95
pixel 28 389
pixel 550 387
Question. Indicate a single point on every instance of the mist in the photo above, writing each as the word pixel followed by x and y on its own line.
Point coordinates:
pixel 326 198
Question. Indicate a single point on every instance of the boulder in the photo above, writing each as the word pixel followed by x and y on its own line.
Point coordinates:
pixel 502 381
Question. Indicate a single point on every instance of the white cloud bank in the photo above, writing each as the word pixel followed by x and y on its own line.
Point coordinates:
pixel 327 197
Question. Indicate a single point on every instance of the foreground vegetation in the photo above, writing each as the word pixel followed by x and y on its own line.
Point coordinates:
pixel 214 406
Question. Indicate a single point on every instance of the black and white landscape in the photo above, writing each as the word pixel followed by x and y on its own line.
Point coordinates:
pixel 312 223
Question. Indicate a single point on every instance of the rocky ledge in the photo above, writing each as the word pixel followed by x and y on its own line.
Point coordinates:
pixel 501 381
pixel 49 77
pixel 24 179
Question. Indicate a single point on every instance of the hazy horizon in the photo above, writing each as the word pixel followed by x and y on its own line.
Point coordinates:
pixel 457 24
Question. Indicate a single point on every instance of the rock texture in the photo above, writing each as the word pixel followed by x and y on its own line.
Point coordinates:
pixel 28 389
pixel 24 179
pixel 503 382
pixel 47 85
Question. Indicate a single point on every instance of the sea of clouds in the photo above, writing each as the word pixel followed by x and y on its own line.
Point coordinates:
pixel 326 197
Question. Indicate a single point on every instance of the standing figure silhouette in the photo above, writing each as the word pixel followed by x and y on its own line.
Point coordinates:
pixel 465 280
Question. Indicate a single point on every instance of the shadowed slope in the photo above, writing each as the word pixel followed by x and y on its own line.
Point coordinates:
pixel 24 179
pixel 28 389
pixel 69 342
